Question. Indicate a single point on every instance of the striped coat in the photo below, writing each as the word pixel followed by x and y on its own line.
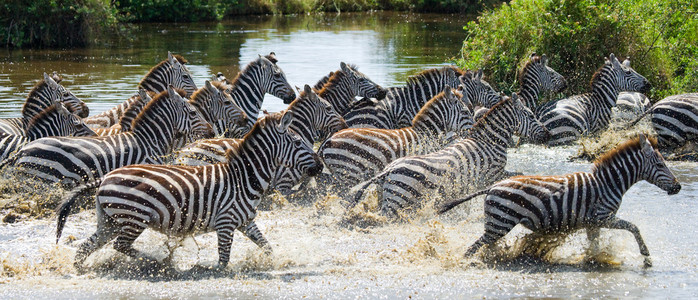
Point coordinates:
pixel 569 202
pixel 675 119
pixel 342 86
pixel 473 162
pixel 356 154
pixel 183 200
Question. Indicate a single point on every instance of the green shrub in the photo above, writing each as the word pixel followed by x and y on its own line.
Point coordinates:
pixel 175 10
pixel 55 23
pixel 659 36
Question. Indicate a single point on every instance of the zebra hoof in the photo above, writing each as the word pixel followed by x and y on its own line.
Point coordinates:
pixel 648 262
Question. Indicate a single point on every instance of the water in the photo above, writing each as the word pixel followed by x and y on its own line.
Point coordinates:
pixel 315 254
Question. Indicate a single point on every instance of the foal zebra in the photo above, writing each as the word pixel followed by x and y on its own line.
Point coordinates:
pixel 470 163
pixel 248 88
pixel 579 200
pixel 170 71
pixel 356 154
pixel 675 119
pixel 41 97
pixel 567 119
pixel 79 160
pixel 401 104
pixel 182 200
pixel 313 119
pixel 55 120
pixel 342 86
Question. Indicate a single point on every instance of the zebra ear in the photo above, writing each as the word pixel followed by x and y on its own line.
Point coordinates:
pixel 344 67
pixel 309 91
pixel 447 91
pixel 171 58
pixel 60 108
pixel 171 91
pixel 468 75
pixel 285 121
pixel 479 74
pixel 544 59
pixel 210 87
pixel 515 99
pixel 50 82
pixel 142 93
pixel 614 61
pixel 533 55
pixel 626 62
pixel 646 145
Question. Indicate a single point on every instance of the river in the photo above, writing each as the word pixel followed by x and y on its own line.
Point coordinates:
pixel 316 254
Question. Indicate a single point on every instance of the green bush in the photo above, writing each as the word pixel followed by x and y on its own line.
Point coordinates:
pixel 175 10
pixel 660 37
pixel 55 23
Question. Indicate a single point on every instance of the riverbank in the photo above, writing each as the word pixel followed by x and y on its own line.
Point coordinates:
pixel 78 23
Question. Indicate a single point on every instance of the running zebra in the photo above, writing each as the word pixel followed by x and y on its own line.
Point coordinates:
pixel 55 120
pixel 574 201
pixel 567 119
pixel 257 78
pixel 183 200
pixel 537 78
pixel 313 119
pixel 473 162
pixel 356 154
pixel 675 119
pixel 401 104
pixel 168 72
pixel 40 98
pixel 341 87
pixel 72 161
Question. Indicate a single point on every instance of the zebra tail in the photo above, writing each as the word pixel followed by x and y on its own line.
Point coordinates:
pixel 63 209
pixel 448 206
pixel 361 187
pixel 640 117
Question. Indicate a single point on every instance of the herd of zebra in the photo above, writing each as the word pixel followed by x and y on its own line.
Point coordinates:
pixel 182 160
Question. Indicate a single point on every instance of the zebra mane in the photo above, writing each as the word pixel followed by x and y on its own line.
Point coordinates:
pixel 632 145
pixel 161 64
pixel 418 79
pixel 336 77
pixel 423 112
pixel 38 87
pixel 597 74
pixel 535 59
pixel 483 119
pixel 246 68
pixel 162 96
pixel 52 109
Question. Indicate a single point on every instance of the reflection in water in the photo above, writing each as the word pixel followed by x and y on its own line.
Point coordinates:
pixel 386 46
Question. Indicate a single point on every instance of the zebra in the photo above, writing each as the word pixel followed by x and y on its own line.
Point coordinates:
pixel 73 161
pixel 39 98
pixel 566 203
pixel 401 104
pixel 55 120
pixel 536 78
pixel 356 154
pixel 675 119
pixel 472 162
pixel 182 200
pixel 342 86
pixel 257 78
pixel 567 119
pixel 313 119
pixel 170 71
pixel 218 108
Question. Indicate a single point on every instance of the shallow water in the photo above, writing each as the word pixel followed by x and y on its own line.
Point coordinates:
pixel 316 254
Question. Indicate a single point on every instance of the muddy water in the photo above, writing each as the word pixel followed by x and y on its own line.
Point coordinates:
pixel 318 250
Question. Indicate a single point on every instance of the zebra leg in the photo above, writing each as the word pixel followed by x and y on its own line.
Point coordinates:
pixel 106 230
pixel 225 240
pixel 252 232
pixel 593 237
pixel 125 238
pixel 616 223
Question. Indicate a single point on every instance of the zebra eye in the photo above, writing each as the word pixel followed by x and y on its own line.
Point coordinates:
pixel 185 76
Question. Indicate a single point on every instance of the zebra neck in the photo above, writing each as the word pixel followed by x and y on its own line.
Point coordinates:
pixel 614 179
pixel 302 125
pixel 156 134
pixel 603 92
pixel 254 171
pixel 37 102
pixel 529 93
pixel 495 127
pixel 249 94
pixel 203 105
pixel 340 96
pixel 156 80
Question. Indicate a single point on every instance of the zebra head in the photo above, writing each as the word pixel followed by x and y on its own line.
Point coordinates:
pixel 526 124
pixel 361 85
pixel 70 101
pixel 189 122
pixel 56 120
pixel 621 77
pixel 324 118
pixel 273 79
pixel 288 148
pixel 169 72
pixel 477 90
pixel 218 108
pixel 653 168
pixel 537 75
